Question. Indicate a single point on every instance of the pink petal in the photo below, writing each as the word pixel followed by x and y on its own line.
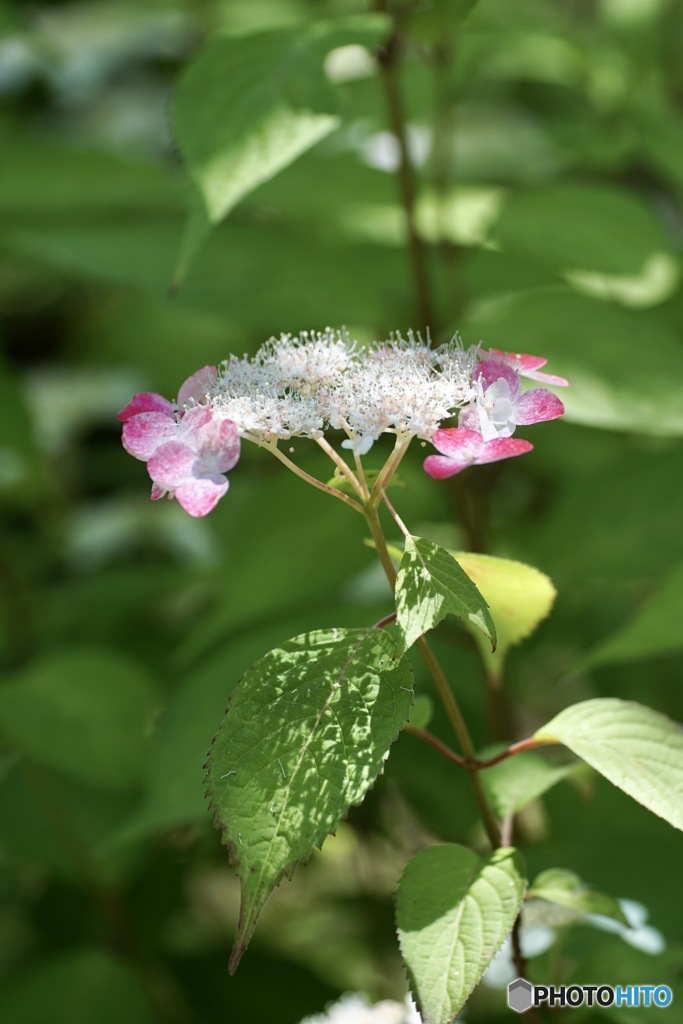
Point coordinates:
pixel 199 496
pixel 219 442
pixel 144 432
pixel 546 378
pixel 492 370
pixel 469 419
pixel 457 443
pixel 503 448
pixel 197 386
pixel 520 360
pixel 171 465
pixel 157 492
pixel 196 417
pixel 537 405
pixel 439 466
pixel 528 366
pixel 146 401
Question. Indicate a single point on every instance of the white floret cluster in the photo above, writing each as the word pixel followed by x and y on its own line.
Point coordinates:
pixel 302 385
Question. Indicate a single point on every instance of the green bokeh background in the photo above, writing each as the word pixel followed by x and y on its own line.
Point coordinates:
pixel 549 149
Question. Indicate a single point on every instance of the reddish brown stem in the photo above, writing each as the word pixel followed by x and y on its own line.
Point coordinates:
pixel 516 748
pixel 435 742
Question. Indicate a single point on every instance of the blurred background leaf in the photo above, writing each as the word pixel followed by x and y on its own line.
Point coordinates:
pixel 548 146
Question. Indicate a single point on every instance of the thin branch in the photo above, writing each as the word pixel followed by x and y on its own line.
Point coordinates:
pixel 388 59
pixel 274 450
pixel 342 465
pixel 386 621
pixel 517 748
pixel 397 519
pixel 401 446
pixel 435 742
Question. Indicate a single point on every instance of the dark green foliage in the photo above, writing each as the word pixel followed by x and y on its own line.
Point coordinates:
pixel 550 201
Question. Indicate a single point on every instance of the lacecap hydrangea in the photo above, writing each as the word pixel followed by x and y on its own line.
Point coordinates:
pixel 324 383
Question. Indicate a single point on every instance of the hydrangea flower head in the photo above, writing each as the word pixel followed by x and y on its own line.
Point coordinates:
pixel 306 385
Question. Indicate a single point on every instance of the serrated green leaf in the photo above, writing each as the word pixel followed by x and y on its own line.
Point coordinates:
pixel 251 104
pixel 519 598
pixel 516 782
pixel 567 890
pixel 639 750
pixel 454 909
pixel 83 712
pixel 431 585
pixel 304 738
pixel 655 629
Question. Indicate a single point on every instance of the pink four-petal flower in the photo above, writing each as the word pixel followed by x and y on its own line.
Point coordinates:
pixel 193 465
pixel 500 406
pixel 187 450
pixel 461 448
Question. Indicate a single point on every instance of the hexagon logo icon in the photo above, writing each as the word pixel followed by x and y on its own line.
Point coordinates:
pixel 520 995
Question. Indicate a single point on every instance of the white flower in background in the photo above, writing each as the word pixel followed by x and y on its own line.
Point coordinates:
pixel 353 1008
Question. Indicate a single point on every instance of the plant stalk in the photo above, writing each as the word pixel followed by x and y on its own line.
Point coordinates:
pixel 388 59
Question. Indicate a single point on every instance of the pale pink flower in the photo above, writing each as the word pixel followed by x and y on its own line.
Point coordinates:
pixel 192 466
pixel 187 451
pixel 500 406
pixel 527 366
pixel 147 401
pixel 194 389
pixel 461 448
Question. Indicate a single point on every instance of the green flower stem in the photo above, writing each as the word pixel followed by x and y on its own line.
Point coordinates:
pixel 388 469
pixel 361 476
pixel 446 694
pixel 344 468
pixel 396 517
pixel 274 450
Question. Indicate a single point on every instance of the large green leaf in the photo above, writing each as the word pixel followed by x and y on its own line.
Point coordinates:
pixel 518 596
pixel 655 629
pixel 431 585
pixel 84 712
pixel 567 890
pixel 304 737
pixel 514 783
pixel 636 748
pixel 251 104
pixel 454 910
pixel 589 227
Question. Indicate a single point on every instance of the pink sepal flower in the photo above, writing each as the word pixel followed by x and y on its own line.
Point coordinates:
pixel 500 406
pixel 144 432
pixel 196 387
pixel 146 401
pixel 527 366
pixel 193 465
pixel 461 448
